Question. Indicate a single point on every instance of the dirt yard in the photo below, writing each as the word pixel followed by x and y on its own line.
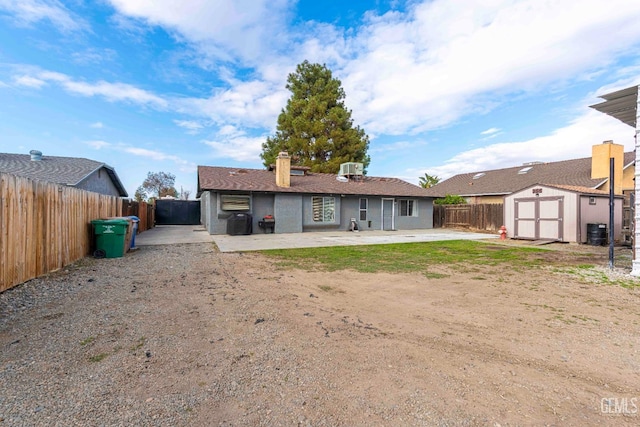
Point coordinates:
pixel 183 335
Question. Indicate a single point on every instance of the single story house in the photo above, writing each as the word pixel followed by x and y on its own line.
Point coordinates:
pixel 491 186
pixel 291 199
pixel 81 173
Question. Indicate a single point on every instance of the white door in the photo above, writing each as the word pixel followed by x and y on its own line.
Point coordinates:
pixel 387 214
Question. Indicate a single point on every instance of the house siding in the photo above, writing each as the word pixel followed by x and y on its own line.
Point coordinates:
pixel 288 210
pixel 294 213
pixel 99 182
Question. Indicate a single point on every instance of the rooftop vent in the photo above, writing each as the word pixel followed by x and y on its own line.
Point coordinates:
pixel 478 175
pixel 36 155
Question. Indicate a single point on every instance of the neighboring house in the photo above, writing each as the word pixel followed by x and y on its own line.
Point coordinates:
pixel 492 186
pixel 75 172
pixel 299 200
pixel 553 201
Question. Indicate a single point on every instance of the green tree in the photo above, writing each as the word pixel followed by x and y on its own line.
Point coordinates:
pixel 451 199
pixel 141 194
pixel 315 127
pixel 158 184
pixel 428 181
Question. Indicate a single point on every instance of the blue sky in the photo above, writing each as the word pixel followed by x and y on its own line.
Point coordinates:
pixel 442 87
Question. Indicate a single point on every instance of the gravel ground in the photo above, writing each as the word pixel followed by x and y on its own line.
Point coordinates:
pixel 183 335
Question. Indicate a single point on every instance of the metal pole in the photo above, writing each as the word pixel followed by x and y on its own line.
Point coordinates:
pixel 611 210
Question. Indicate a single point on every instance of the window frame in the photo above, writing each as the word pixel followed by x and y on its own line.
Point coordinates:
pixel 411 207
pixel 229 198
pixel 365 210
pixel 327 212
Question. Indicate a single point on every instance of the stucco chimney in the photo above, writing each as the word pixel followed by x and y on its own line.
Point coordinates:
pixel 36 155
pixel 283 170
pixel 600 155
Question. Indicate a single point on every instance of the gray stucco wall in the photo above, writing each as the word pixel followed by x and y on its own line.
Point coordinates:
pixel 294 214
pixel 205 211
pixel 423 220
pixel 99 182
pixel 288 213
pixel 261 206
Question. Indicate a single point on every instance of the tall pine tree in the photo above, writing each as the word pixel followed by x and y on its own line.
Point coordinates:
pixel 316 128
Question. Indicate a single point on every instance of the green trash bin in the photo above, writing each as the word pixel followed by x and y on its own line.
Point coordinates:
pixel 110 237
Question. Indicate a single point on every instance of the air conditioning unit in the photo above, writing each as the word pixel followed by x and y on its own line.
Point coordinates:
pixel 348 169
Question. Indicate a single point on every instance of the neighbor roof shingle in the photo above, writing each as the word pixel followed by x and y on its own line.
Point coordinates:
pixel 60 170
pixel 575 172
pixel 258 180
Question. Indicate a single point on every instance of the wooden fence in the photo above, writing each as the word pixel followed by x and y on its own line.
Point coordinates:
pixel 483 217
pixel 143 210
pixel 45 226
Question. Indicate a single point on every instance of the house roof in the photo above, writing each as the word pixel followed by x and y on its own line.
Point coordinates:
pixel 259 180
pixel 499 182
pixel 70 171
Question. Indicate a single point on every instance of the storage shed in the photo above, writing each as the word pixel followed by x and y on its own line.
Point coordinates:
pixel 559 212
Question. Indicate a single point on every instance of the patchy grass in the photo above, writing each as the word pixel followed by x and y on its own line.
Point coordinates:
pixel 406 257
pixel 98 357
pixel 457 256
pixel 87 341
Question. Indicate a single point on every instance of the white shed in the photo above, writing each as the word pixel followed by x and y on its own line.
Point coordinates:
pixel 559 213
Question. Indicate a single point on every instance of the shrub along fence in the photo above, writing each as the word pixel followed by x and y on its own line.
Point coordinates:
pixel 483 217
pixel 45 226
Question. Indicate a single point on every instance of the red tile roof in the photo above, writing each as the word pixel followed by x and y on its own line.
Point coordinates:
pixel 258 180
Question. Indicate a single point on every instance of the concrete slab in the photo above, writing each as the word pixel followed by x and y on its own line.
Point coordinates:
pixel 257 242
pixel 172 234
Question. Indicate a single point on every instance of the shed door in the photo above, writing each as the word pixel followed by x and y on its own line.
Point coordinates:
pixel 539 218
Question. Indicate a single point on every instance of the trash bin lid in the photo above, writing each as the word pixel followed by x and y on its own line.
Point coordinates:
pixel 110 221
pixel 134 218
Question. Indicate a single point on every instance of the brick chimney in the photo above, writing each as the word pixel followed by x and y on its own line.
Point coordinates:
pixel 600 155
pixel 283 170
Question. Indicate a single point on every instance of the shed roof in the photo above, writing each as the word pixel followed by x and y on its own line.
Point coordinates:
pixel 497 182
pixel 70 171
pixel 258 180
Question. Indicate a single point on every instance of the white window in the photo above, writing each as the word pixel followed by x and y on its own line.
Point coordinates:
pixel 364 204
pixel 324 209
pixel 408 207
pixel 235 203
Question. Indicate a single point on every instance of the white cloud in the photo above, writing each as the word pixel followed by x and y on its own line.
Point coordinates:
pixel 490 131
pixel 29 81
pixel 570 142
pixel 93 56
pixel 97 144
pixel 97 125
pixel 27 12
pixel 111 91
pixel 252 104
pixel 225 29
pixel 437 64
pixel 192 126
pixel 235 144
